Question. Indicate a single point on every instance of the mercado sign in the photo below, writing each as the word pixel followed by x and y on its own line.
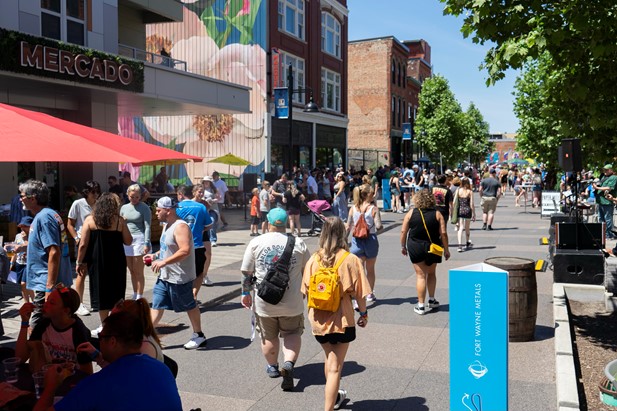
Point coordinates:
pixel 27 54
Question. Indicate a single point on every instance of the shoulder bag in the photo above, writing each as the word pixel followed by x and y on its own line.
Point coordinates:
pixel 272 288
pixel 435 249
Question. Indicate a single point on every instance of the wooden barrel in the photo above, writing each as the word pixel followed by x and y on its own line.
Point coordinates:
pixel 523 295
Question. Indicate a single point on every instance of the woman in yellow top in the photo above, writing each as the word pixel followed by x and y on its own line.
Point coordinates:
pixel 335 330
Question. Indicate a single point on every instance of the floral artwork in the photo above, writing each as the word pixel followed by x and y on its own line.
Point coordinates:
pixel 225 40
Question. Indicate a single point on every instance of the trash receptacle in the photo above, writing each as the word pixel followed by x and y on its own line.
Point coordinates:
pixel 523 295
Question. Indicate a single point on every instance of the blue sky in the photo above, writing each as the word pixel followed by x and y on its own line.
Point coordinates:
pixel 454 57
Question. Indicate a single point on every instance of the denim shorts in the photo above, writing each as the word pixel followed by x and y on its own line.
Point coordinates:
pixel 365 247
pixel 177 297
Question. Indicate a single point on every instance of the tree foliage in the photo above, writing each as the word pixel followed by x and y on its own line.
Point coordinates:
pixel 443 128
pixel 578 38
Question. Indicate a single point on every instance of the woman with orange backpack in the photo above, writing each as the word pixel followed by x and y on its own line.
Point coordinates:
pixel 331 278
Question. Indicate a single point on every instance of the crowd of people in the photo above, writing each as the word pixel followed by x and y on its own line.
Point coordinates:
pixel 115 223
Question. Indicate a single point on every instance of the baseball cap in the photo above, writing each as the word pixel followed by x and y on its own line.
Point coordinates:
pixel 277 217
pixel 608 166
pixel 167 202
pixel 25 221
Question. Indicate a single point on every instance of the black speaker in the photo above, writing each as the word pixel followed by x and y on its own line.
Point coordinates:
pixel 570 158
pixel 590 236
pixel 249 182
pixel 578 267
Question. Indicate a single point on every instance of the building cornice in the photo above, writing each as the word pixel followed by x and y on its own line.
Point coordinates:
pixel 335 6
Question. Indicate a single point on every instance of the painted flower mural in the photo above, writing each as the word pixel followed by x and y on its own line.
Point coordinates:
pixel 225 40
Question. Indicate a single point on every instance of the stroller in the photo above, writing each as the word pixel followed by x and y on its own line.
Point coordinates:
pixel 317 208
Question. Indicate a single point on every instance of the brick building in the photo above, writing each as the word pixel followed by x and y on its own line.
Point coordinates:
pixel 504 148
pixel 312 37
pixel 385 79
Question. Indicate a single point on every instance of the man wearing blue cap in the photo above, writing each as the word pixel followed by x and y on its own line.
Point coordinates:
pixel 285 319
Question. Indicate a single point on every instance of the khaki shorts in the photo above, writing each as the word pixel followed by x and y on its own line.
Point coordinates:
pixel 489 205
pixel 270 328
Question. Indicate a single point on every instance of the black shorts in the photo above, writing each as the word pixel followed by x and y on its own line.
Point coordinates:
pixel 206 236
pixel 264 216
pixel 348 336
pixel 255 220
pixel 200 260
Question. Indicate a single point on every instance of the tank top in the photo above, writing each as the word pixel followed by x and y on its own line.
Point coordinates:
pixel 368 217
pixel 180 272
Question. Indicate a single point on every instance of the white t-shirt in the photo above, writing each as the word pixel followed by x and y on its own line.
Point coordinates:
pixel 80 209
pixel 264 200
pixel 221 187
pixel 260 254
pixel 312 185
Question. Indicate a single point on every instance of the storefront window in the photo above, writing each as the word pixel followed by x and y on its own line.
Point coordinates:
pixel 64 20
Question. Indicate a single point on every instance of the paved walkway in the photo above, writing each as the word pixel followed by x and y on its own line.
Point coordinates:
pixel 399 362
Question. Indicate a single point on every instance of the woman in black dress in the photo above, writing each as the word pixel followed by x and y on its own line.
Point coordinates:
pixel 422 226
pixel 101 254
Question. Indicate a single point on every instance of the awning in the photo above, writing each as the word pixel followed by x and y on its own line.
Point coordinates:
pixel 32 136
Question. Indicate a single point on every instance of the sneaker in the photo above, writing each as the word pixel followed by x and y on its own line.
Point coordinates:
pixel 355 305
pixel 213 243
pixel 195 342
pixel 340 397
pixel 82 310
pixel 468 245
pixel 273 371
pixel 95 333
pixel 419 310
pixel 371 298
pixel 287 371
pixel 400 212
pixel 207 282
pixel 490 228
pixel 460 249
pixel 253 234
pixel 433 304
pixel 484 226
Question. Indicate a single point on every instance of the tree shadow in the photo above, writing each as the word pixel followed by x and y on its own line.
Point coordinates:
pixel 313 374
pixel 228 342
pixel 395 404
pixel 601 328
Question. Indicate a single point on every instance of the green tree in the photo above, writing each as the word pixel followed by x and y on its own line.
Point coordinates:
pixel 438 125
pixel 476 132
pixel 578 36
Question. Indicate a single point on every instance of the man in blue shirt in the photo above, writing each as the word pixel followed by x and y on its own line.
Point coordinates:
pixel 47 259
pixel 132 380
pixel 199 220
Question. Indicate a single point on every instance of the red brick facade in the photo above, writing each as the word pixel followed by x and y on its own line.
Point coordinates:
pixel 385 78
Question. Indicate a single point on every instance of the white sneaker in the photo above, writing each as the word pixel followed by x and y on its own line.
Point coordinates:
pixel 82 310
pixel 213 243
pixel 371 298
pixel 340 397
pixel 95 333
pixel 195 342
pixel 207 282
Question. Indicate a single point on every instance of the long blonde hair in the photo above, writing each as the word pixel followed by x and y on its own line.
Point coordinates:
pixel 332 239
pixel 364 192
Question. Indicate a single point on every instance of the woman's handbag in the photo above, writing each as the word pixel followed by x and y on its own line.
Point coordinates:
pixel 454 217
pixel 435 249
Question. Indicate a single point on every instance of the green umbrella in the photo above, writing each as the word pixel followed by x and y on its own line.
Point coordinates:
pixel 231 160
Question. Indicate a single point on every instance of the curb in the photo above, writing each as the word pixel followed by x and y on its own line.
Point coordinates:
pixel 565 370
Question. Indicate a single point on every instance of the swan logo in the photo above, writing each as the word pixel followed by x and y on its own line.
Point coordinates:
pixel 477 369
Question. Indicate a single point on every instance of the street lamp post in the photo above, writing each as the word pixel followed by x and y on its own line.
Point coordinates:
pixel 311 107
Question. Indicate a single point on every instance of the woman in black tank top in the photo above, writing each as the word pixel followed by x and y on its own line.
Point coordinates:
pixel 422 226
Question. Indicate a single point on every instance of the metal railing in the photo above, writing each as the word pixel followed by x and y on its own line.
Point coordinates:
pixel 143 55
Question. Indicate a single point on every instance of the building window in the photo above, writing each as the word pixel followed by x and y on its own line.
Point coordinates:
pixel 393 72
pixel 400 73
pixel 399 113
pixel 298 68
pixel 393 111
pixel 405 76
pixel 64 20
pixel 291 17
pixel 330 34
pixel 331 90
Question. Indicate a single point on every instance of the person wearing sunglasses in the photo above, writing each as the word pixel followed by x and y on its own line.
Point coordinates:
pixel 57 335
pixel 131 381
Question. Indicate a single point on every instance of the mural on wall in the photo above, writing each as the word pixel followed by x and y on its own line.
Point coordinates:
pixel 225 40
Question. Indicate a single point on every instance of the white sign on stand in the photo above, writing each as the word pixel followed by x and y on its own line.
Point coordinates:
pixel 551 201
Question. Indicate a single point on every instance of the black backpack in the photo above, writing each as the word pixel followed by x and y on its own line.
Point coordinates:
pixel 272 288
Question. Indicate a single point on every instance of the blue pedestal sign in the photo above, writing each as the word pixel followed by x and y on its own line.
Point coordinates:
pixel 478 338
pixel 386 196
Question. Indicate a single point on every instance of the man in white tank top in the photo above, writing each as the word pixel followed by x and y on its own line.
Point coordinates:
pixel 175 265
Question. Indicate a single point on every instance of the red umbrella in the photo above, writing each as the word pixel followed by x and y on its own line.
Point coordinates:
pixel 32 136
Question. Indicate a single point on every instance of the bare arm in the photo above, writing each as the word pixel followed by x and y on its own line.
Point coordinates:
pixel 404 230
pixel 127 238
pixel 443 232
pixel 183 237
pixel 53 265
pixel 70 226
pixel 82 268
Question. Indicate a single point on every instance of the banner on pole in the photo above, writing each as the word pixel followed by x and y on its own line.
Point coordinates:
pixel 281 103
pixel 406 131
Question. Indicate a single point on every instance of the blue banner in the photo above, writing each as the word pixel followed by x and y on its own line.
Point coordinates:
pixel 406 131
pixel 281 103
pixel 478 338
pixel 386 196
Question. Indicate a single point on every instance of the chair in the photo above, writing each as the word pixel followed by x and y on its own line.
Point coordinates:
pixel 171 364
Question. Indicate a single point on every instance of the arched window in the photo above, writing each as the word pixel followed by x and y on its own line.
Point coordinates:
pixel 330 34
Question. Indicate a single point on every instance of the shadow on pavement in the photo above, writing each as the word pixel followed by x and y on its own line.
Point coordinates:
pixel 312 374
pixel 228 342
pixel 408 403
pixel 227 307
pixel 488 247
pixel 164 329
pixel 543 332
pixel 228 244
pixel 392 301
pixel 222 284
